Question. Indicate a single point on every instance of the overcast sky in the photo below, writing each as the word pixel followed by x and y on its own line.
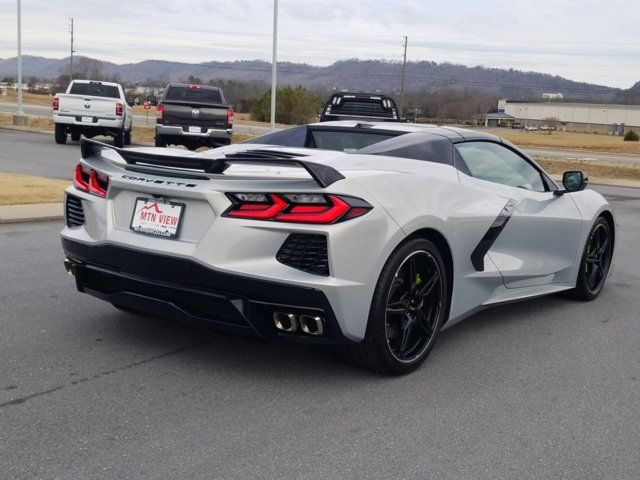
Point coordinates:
pixel 586 40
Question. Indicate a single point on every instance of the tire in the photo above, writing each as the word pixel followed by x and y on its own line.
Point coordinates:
pixel 75 136
pixel 405 319
pixel 127 137
pixel 61 134
pixel 594 267
pixel 118 140
pixel 160 142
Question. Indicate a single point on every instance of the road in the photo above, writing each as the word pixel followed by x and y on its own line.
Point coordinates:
pixel 542 389
pixel 140 120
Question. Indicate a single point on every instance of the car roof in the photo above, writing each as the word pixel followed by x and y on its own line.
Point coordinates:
pixel 455 134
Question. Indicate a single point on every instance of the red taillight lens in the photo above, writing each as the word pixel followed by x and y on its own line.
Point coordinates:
pixel 118 109
pixel 159 111
pixel 56 103
pixel 229 116
pixel 81 178
pixel 90 181
pixel 296 208
pixel 194 87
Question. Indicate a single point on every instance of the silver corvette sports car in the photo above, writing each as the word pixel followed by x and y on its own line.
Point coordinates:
pixel 368 236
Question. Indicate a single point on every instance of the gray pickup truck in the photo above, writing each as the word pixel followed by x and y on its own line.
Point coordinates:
pixel 193 116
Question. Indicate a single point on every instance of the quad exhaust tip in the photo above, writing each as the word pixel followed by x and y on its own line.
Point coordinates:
pixel 69 267
pixel 291 322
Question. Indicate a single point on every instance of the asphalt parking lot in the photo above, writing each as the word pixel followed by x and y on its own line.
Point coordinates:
pixel 548 388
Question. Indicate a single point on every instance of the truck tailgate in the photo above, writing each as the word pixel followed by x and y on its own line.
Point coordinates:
pixel 185 115
pixel 80 105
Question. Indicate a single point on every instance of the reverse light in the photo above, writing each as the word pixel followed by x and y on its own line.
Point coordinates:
pixel 312 208
pixel 159 112
pixel 119 109
pixel 91 181
pixel 56 103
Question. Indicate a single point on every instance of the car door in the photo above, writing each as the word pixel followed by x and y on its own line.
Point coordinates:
pixel 539 241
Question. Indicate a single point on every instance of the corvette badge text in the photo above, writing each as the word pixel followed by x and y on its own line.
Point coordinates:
pixel 158 182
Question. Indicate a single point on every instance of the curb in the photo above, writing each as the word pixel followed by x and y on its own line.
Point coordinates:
pixel 37 212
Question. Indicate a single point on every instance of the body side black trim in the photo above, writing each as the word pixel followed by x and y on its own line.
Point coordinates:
pixel 489 238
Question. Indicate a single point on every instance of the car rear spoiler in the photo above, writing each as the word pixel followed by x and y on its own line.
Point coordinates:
pixel 323 175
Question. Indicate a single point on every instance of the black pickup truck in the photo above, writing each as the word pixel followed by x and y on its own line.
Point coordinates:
pixel 193 116
pixel 360 106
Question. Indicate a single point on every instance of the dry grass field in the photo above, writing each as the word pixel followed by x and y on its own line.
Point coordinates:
pixel 570 140
pixel 22 189
pixel 28 98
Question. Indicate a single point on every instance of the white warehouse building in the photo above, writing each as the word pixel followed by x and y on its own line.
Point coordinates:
pixel 576 117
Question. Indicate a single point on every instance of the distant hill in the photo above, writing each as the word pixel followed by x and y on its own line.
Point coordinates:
pixel 362 75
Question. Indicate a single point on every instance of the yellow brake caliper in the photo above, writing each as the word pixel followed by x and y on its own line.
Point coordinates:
pixel 418 282
pixel 586 264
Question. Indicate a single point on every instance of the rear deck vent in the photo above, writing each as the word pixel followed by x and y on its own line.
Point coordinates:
pixel 74 213
pixel 262 155
pixel 306 252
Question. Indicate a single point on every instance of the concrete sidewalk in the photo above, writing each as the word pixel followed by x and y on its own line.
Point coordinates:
pixel 31 213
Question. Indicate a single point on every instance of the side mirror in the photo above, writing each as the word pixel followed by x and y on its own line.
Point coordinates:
pixel 410 117
pixel 573 181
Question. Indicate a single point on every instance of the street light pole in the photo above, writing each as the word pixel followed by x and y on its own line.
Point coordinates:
pixel 20 111
pixel 273 64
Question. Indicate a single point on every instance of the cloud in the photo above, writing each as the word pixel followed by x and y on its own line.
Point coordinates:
pixel 585 40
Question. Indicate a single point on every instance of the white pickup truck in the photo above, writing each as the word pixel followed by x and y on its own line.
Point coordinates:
pixel 92 108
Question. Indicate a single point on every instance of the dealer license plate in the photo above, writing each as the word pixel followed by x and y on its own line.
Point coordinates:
pixel 156 217
pixel 195 130
pixel 87 119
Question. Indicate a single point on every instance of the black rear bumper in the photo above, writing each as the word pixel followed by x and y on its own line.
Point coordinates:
pixel 187 291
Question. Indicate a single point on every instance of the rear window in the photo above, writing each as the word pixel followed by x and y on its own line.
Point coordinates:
pixel 344 141
pixel 183 93
pixel 95 90
pixel 361 107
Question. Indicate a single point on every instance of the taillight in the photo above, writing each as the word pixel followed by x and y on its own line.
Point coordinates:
pixel 229 116
pixel 56 103
pixel 159 111
pixel 194 87
pixel 118 109
pixel 91 181
pixel 81 178
pixel 315 208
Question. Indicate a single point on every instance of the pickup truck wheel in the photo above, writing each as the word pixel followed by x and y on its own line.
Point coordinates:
pixel 61 134
pixel 160 142
pixel 75 136
pixel 118 140
pixel 127 137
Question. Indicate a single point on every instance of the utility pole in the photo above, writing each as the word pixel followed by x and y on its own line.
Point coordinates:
pixel 20 111
pixel 404 69
pixel 273 64
pixel 71 57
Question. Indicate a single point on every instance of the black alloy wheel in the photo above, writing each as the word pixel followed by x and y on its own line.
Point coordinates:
pixel 413 307
pixel 410 304
pixel 596 260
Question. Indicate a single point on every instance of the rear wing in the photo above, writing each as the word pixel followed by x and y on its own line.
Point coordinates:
pixel 323 175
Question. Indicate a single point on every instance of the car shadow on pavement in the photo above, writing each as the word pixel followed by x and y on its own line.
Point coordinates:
pixel 254 357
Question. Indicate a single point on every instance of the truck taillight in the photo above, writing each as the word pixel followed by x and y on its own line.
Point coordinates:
pixel 315 208
pixel 229 116
pixel 194 87
pixel 56 103
pixel 91 181
pixel 118 109
pixel 159 111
